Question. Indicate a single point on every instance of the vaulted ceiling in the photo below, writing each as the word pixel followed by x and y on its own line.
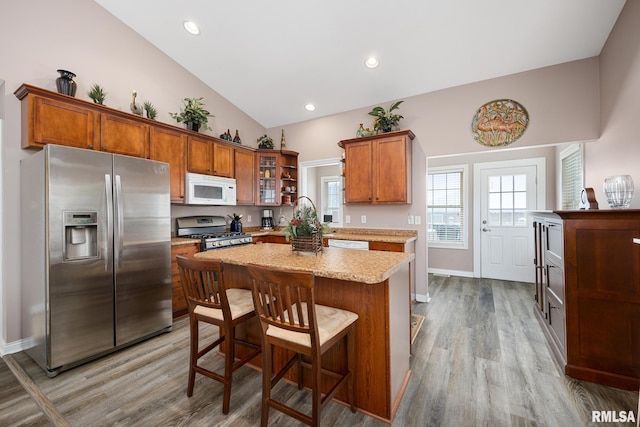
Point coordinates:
pixel 272 58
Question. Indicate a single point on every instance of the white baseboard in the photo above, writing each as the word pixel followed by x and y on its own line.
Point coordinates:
pixel 445 272
pixel 14 347
pixel 422 298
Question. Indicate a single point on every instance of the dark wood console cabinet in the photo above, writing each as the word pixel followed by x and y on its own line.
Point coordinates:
pixel 588 292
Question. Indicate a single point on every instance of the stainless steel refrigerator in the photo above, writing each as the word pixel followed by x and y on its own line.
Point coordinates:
pixel 96 254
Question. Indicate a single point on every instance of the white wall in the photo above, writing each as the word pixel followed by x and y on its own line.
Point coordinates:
pixel 617 152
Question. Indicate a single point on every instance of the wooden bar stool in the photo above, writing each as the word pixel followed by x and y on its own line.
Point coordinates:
pixel 210 301
pixel 290 319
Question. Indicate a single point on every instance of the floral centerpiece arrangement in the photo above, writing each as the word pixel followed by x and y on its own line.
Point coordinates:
pixel 304 230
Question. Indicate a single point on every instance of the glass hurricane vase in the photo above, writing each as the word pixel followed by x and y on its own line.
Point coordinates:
pixel 619 191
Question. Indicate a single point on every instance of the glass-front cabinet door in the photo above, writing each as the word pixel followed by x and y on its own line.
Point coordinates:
pixel 268 189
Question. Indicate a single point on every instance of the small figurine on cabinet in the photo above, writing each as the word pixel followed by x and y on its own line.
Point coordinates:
pixel 588 199
pixel 135 108
pixel 283 142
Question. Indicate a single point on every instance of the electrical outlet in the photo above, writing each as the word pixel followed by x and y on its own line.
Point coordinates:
pixel 248 218
pixel 363 219
pixel 347 219
pixel 418 220
pixel 410 219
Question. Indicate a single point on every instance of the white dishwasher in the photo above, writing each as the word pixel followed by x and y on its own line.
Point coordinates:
pixel 348 244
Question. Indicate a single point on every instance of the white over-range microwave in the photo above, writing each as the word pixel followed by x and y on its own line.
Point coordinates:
pixel 209 190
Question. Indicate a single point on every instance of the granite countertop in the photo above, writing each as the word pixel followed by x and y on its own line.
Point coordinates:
pixel 180 241
pixel 334 263
pixel 363 234
pixel 360 234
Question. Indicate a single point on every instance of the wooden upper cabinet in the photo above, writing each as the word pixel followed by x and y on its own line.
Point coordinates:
pixel 378 168
pixel 392 158
pixel 167 145
pixel 359 172
pixel 51 118
pixel 223 160
pixel 120 135
pixel 245 176
pixel 50 121
pixel 199 155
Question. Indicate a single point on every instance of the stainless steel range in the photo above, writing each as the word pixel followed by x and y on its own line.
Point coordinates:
pixel 212 232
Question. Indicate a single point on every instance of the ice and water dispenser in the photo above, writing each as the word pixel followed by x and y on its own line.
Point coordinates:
pixel 80 235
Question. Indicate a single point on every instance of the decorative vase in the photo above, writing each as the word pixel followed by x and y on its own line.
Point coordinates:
pixel 65 83
pixel 193 126
pixel 619 191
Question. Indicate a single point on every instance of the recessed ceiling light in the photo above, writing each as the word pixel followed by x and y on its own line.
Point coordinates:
pixel 309 107
pixel 191 27
pixel 371 62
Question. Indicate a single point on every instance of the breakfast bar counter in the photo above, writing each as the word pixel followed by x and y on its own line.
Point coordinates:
pixel 372 284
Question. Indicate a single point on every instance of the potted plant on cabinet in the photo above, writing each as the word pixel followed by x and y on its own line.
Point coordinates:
pixel 385 121
pixel 97 94
pixel 194 115
pixel 265 142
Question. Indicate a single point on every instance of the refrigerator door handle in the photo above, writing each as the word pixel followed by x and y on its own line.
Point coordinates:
pixel 108 187
pixel 119 241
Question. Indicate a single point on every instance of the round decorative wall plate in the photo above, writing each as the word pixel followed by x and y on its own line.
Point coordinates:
pixel 499 123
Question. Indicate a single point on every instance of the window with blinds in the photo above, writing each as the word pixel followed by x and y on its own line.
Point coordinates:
pixel 331 201
pixel 446 207
pixel 572 178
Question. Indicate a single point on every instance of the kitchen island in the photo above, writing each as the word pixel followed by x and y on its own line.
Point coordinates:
pixel 373 284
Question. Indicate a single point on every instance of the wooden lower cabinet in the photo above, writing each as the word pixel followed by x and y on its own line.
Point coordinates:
pixel 179 304
pixel 588 294
pixel 270 239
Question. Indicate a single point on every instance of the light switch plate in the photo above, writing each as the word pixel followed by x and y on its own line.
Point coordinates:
pixel 418 220
pixel 410 219
pixel 248 218
pixel 363 219
pixel 347 219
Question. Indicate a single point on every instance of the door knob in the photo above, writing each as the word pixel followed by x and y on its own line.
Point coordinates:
pixel 485 229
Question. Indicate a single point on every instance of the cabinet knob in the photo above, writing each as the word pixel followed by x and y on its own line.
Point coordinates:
pixel 104 148
pixel 91 146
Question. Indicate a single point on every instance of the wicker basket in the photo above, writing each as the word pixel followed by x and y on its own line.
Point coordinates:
pixel 311 243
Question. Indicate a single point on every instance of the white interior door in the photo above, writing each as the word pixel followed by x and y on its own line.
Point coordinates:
pixel 506 237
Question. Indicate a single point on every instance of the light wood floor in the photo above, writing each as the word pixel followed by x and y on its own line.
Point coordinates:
pixel 480 359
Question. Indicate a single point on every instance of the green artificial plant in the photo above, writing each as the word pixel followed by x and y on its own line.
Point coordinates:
pixel 385 121
pixel 193 112
pixel 150 109
pixel 97 94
